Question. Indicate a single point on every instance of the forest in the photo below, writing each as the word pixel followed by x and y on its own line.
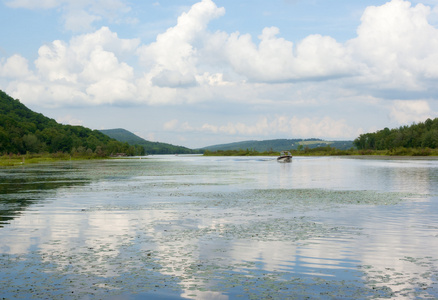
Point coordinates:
pixel 23 131
pixel 423 135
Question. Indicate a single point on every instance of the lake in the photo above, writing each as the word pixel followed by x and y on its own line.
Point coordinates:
pixel 176 227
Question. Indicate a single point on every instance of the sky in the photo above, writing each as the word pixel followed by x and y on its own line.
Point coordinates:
pixel 206 72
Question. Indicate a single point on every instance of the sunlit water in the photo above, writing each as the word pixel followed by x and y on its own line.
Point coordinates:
pixel 172 227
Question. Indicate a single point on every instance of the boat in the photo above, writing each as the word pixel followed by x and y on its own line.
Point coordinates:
pixel 285 157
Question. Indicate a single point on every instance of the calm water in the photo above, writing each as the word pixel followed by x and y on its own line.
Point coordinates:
pixel 220 228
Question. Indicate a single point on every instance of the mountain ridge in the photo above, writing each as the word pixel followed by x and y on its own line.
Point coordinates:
pixel 280 145
pixel 125 136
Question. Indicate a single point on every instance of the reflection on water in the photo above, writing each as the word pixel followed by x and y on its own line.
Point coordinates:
pixel 21 187
pixel 220 228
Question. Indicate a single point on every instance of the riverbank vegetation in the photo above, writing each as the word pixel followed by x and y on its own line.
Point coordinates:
pixel 9 160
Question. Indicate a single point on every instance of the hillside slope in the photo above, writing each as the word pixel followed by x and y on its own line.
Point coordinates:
pixel 126 136
pixel 25 131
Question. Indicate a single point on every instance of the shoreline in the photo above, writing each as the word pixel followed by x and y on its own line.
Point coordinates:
pixel 25 161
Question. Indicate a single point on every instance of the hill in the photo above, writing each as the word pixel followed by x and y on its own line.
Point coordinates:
pixel 126 136
pixel 25 131
pixel 281 144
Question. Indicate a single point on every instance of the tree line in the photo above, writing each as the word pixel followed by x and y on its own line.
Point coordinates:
pixel 422 135
pixel 24 131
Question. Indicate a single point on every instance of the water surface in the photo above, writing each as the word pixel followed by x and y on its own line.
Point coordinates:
pixel 193 227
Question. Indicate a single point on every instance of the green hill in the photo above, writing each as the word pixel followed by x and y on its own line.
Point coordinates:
pixel 125 136
pixel 24 131
pixel 281 144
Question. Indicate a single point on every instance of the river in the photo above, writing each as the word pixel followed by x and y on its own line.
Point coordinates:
pixel 177 227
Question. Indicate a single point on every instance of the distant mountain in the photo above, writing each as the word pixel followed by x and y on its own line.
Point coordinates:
pixel 281 144
pixel 126 136
pixel 25 131
pixel 123 136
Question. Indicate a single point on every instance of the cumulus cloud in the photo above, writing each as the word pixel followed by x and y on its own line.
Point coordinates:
pixel 397 46
pixel 15 67
pixel 172 58
pixel 87 70
pixel 396 50
pixel 274 59
pixel 406 112
pixel 324 127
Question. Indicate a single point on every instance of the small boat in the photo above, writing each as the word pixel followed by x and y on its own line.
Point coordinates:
pixel 285 157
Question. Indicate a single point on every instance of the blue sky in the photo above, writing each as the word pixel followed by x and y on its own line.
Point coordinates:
pixel 198 73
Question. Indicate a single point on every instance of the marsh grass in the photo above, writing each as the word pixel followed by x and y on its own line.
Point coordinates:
pixel 11 160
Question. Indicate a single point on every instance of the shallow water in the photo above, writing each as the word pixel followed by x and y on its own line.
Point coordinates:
pixel 172 227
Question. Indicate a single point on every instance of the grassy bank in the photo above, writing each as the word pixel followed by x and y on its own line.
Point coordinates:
pixel 329 151
pixel 11 160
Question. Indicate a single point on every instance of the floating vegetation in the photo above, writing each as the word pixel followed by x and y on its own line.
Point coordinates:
pixel 420 282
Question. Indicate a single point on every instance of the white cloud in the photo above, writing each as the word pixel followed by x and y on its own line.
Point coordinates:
pixel 14 67
pixel 276 60
pixel 68 119
pixel 55 62
pixel 85 71
pixel 87 58
pixel 407 112
pixel 325 127
pixel 396 50
pixel 173 57
pixel 398 46
pixel 103 64
pixel 395 44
